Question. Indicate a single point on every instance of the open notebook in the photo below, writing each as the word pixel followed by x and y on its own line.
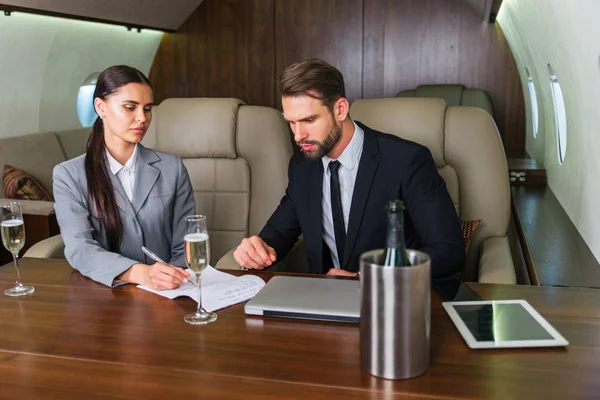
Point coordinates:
pixel 219 289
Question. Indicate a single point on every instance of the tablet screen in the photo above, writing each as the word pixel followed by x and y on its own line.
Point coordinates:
pixel 501 322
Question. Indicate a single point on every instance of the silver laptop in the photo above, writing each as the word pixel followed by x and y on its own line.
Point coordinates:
pixel 308 298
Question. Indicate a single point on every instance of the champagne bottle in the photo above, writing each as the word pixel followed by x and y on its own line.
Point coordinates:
pixel 395 247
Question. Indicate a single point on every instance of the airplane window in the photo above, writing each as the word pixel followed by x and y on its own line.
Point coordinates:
pixel 534 104
pixel 560 115
pixel 85 101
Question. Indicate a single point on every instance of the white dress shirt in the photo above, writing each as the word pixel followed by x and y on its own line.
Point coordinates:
pixel 125 173
pixel 349 160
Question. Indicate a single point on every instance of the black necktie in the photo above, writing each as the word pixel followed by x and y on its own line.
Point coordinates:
pixel 336 209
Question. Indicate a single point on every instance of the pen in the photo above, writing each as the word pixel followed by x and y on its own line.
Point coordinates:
pixel 158 259
pixel 153 256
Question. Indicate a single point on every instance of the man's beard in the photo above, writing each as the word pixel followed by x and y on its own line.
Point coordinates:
pixel 322 148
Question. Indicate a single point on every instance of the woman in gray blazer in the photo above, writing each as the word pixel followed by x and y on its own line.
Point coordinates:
pixel 120 196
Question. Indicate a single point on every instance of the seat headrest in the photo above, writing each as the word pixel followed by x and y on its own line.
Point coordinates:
pixel 452 94
pixel 417 119
pixel 195 127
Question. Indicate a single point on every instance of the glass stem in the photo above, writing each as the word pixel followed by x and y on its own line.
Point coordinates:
pixel 16 258
pixel 198 282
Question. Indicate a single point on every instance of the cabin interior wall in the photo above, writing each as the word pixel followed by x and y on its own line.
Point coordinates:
pixel 326 29
pixel 224 49
pixel 534 148
pixel 44 60
pixel 236 48
pixel 565 35
pixel 414 42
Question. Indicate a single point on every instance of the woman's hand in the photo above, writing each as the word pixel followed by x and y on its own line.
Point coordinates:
pixel 158 276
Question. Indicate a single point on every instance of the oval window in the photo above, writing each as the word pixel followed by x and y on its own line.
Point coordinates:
pixel 85 101
pixel 560 115
pixel 534 105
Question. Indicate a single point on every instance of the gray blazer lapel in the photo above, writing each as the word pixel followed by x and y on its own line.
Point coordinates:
pixel 121 198
pixel 146 176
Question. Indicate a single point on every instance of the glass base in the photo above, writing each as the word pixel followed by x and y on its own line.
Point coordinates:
pixel 19 291
pixel 200 318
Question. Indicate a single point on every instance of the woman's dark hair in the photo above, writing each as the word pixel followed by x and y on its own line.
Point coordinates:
pixel 100 192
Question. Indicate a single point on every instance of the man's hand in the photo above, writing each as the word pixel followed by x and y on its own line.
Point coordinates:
pixel 340 272
pixel 254 253
pixel 158 276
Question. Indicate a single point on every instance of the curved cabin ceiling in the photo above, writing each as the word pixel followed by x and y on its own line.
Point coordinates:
pixel 157 14
pixel 45 60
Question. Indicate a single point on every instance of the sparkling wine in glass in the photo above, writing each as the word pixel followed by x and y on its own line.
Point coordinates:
pixel 13 239
pixel 197 257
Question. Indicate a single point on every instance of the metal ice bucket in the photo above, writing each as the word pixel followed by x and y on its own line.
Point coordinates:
pixel 395 316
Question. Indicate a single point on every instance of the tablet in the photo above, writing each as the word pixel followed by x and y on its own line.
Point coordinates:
pixel 502 323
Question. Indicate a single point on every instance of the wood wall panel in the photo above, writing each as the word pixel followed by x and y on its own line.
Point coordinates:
pixel 414 42
pixel 224 49
pixel 236 48
pixel 326 29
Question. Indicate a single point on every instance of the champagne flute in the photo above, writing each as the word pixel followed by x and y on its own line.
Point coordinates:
pixel 13 239
pixel 197 257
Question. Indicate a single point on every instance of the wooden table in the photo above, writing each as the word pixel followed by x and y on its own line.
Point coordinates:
pixel 74 338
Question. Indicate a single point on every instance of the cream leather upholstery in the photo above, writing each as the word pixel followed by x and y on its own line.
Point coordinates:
pixel 468 152
pixel 453 95
pixel 73 142
pixel 53 247
pixel 38 153
pixel 236 156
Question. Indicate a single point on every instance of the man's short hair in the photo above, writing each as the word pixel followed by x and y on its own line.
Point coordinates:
pixel 314 78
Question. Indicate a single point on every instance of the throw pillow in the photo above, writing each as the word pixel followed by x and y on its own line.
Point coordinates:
pixel 20 185
pixel 468 227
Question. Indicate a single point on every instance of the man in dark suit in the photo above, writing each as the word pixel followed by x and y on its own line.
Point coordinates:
pixel 341 181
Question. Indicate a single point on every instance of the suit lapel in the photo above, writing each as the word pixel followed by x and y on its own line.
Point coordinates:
pixel 146 176
pixel 120 197
pixel 362 187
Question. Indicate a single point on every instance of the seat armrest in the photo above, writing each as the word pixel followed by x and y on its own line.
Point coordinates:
pixel 228 262
pixel 496 264
pixel 33 207
pixel 53 247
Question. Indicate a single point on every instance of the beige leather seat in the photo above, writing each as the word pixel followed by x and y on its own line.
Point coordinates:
pixel 468 152
pixel 453 95
pixel 236 156
pixel 37 154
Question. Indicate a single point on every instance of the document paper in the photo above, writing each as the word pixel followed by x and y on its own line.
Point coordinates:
pixel 219 289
